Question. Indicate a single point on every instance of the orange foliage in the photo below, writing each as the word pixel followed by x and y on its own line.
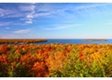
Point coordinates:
pixel 42 58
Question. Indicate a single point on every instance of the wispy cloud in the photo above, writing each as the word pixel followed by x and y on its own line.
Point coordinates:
pixel 27 12
pixel 16 36
pixel 24 12
pixel 44 10
pixel 60 27
pixel 8 24
pixel 89 6
pixel 6 12
pixel 30 12
pixel 30 16
pixel 43 14
pixel 85 6
pixel 87 10
pixel 10 13
pixel 22 31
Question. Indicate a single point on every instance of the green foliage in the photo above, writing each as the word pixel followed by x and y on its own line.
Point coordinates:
pixel 74 67
pixel 56 73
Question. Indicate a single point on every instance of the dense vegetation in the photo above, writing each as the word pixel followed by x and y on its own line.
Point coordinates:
pixel 56 60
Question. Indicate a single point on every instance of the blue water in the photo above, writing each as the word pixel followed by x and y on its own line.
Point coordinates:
pixel 78 41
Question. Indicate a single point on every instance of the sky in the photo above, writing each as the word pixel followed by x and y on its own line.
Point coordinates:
pixel 56 20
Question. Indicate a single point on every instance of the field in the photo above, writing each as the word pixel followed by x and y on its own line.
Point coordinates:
pixel 55 60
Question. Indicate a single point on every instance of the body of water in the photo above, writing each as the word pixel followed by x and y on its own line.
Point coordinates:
pixel 78 41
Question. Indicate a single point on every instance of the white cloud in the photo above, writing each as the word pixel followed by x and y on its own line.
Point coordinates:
pixel 31 12
pixel 25 14
pixel 29 18
pixel 23 31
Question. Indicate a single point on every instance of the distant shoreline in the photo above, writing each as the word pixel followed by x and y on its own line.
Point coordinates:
pixel 21 41
pixel 48 41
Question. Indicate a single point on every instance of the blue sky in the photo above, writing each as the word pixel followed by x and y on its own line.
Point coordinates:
pixel 51 20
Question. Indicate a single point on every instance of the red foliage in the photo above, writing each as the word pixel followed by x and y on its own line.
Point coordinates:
pixel 3 59
pixel 81 56
pixel 37 59
pixel 28 59
pixel 3 49
pixel 40 69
